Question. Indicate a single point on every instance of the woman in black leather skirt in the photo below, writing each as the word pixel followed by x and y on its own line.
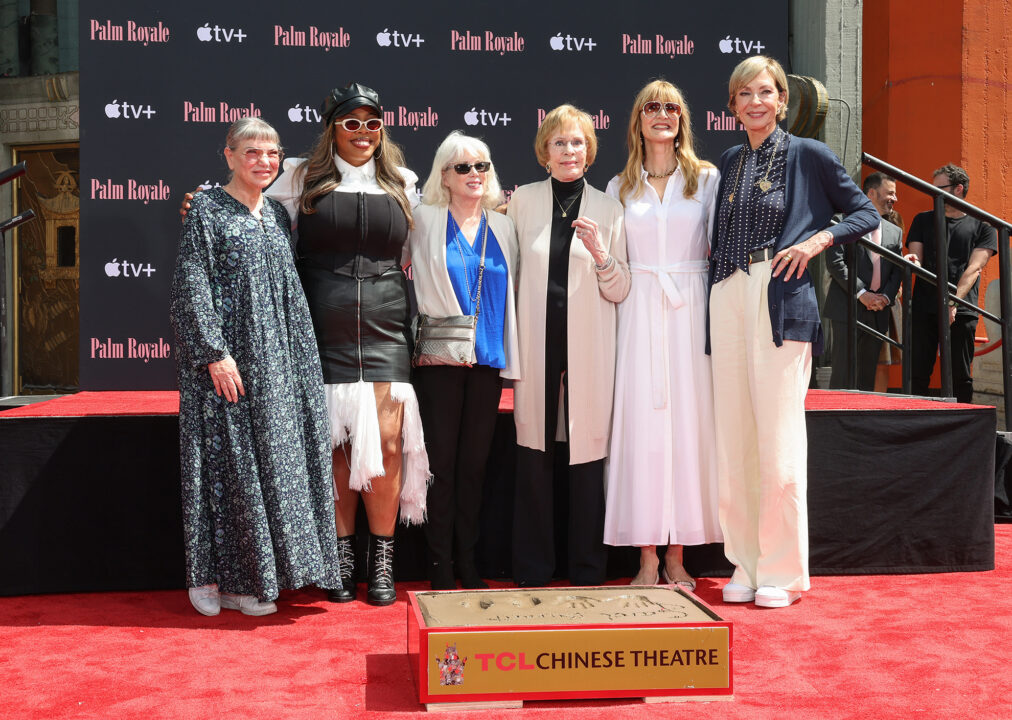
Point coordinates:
pixel 351 202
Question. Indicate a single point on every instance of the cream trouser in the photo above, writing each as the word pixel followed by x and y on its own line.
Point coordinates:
pixel 762 447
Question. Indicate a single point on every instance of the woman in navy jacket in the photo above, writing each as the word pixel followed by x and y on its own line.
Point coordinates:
pixel 776 198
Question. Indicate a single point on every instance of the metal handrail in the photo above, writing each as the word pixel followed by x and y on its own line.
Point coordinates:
pixel 946 290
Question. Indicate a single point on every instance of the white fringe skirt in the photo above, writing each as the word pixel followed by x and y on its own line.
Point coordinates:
pixel 351 408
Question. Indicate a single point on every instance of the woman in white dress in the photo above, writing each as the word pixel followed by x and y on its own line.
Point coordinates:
pixel 662 473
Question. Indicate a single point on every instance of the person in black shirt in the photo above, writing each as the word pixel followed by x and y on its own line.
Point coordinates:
pixel 971 245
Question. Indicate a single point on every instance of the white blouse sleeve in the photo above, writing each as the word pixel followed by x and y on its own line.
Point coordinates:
pixel 410 186
pixel 613 186
pixel 287 189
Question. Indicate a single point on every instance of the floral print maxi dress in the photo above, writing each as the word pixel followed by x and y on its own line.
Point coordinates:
pixel 258 498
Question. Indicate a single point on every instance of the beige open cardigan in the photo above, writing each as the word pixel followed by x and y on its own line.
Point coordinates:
pixel 433 291
pixel 592 317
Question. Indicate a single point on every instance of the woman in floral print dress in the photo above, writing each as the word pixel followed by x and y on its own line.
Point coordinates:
pixel 258 499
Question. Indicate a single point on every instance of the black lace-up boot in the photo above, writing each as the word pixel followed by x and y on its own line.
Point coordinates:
pixel 346 568
pixel 381 570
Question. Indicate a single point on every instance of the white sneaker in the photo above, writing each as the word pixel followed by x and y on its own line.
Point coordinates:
pixel 247 604
pixel 774 597
pixel 205 599
pixel 735 593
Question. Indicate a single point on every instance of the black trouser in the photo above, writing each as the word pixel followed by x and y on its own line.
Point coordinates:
pixel 868 350
pixel 533 518
pixel 924 348
pixel 458 406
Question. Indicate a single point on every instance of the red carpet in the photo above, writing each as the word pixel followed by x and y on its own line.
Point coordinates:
pixel 167 403
pixel 912 646
pixel 150 402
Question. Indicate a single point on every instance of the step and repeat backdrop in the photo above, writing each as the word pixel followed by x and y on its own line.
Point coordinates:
pixel 159 88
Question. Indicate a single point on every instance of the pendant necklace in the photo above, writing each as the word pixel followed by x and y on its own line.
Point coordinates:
pixel 565 210
pixel 765 183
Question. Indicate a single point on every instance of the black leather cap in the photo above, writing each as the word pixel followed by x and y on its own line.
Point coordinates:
pixel 342 101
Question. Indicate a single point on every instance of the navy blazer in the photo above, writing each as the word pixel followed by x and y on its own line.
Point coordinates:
pixel 817 187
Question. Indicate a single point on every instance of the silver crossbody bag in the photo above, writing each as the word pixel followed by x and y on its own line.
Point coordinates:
pixel 450 340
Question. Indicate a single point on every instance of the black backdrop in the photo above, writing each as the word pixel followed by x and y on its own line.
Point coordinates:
pixel 155 83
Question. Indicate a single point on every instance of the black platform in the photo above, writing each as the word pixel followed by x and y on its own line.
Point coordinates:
pixel 92 503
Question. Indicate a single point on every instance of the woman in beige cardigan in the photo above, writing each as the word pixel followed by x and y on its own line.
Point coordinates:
pixel 459 404
pixel 566 320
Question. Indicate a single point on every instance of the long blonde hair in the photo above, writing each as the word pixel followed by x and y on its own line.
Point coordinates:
pixel 321 176
pixel 631 183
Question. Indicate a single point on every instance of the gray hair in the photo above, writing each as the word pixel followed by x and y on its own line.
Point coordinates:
pixel 251 128
pixel 452 150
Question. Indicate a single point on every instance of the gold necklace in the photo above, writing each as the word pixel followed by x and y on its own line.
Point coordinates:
pixel 662 175
pixel 764 185
pixel 565 210
pixel 737 176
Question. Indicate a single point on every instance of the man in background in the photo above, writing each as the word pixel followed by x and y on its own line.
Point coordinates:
pixel 881 190
pixel 971 245
pixel 878 281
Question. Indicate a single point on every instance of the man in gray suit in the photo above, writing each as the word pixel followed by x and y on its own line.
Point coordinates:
pixel 878 281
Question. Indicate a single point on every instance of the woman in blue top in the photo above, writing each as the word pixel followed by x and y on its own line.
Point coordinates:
pixel 458 404
pixel 776 198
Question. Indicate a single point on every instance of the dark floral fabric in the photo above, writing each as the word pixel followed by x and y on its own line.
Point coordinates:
pixel 258 497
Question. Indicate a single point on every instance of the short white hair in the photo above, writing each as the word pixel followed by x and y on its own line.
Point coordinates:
pixel 451 151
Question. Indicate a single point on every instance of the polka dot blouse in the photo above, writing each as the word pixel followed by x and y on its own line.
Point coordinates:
pixel 751 215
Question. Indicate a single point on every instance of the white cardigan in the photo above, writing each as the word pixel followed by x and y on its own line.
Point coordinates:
pixel 591 316
pixel 433 291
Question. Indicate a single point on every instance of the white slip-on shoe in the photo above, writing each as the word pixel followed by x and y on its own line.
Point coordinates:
pixel 247 604
pixel 205 599
pixel 773 597
pixel 735 593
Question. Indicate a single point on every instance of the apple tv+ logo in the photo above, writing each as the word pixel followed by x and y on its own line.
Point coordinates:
pixel 739 46
pixel 220 34
pixel 398 39
pixel 117 109
pixel 125 268
pixel 486 118
pixel 303 114
pixel 571 43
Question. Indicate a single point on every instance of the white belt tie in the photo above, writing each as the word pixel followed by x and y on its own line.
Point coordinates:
pixel 658 341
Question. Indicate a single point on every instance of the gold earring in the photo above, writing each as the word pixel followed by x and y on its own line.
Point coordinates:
pixel 548 168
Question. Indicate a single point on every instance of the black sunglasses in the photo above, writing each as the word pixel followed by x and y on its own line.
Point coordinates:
pixel 465 168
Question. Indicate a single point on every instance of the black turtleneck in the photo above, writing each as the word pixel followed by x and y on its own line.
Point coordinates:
pixel 566 199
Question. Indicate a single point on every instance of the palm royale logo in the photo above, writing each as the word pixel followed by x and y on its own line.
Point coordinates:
pixel 130 349
pixel 221 112
pixel 130 190
pixel 601 120
pixel 107 30
pixel 312 36
pixel 486 41
pixel 722 121
pixel 657 45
